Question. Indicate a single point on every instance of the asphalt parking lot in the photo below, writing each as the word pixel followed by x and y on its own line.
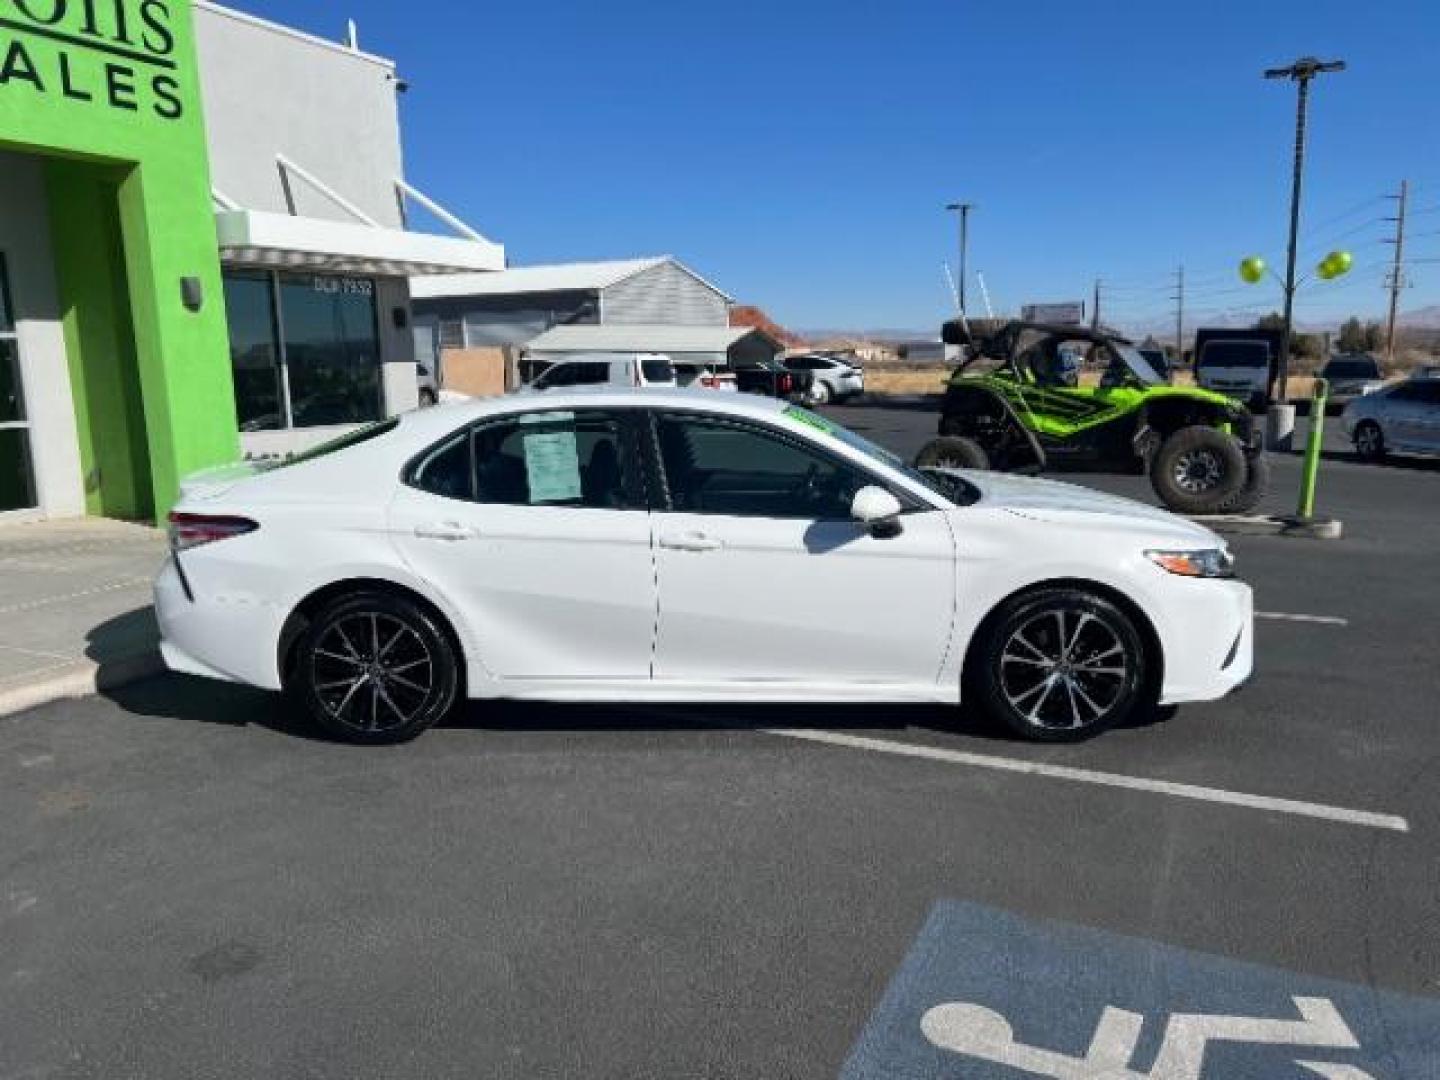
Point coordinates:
pixel 192 887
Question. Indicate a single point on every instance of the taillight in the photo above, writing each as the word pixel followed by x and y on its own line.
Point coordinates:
pixel 191 530
pixel 785 384
pixel 709 382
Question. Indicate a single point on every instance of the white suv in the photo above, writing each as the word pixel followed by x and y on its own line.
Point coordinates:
pixel 608 369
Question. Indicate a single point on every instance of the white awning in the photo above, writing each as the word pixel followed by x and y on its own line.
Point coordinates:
pixel 256 238
pixel 674 340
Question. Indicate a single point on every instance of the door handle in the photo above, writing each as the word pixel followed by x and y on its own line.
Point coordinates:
pixel 445 530
pixel 690 541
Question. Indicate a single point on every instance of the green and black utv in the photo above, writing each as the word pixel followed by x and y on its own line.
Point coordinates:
pixel 1016 404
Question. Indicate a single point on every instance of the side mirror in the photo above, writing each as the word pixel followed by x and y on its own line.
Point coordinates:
pixel 877 510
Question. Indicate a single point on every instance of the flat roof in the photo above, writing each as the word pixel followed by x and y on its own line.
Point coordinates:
pixel 290 32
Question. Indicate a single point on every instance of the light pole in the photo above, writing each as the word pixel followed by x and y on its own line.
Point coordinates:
pixel 1282 416
pixel 963 209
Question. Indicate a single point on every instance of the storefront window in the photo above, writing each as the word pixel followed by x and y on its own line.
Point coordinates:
pixel 250 308
pixel 332 350
pixel 17 479
pixel 310 360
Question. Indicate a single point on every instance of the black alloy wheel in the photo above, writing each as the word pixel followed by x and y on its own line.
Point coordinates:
pixel 375 668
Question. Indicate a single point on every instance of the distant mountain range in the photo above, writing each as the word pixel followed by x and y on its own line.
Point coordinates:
pixel 1421 318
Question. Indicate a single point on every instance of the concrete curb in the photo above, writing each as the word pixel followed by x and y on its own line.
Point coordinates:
pixel 1264 525
pixel 86 678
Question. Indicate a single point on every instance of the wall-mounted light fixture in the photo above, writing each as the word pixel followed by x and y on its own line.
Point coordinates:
pixel 192 293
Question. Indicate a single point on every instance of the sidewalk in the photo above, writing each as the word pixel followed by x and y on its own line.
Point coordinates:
pixel 75 608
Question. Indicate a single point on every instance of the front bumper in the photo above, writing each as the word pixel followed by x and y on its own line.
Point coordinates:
pixel 1210 648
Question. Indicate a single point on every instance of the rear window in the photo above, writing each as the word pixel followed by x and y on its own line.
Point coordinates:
pixel 1352 369
pixel 657 370
pixel 1251 354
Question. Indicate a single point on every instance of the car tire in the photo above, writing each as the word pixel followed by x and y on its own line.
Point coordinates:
pixel 1369 441
pixel 819 393
pixel 374 668
pixel 428 398
pixel 952 452
pixel 1198 470
pixel 1257 483
pixel 1060 665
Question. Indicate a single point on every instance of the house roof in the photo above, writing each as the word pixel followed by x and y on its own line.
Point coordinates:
pixel 674 340
pixel 557 277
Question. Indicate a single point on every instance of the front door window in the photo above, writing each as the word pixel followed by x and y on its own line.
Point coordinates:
pixel 17 476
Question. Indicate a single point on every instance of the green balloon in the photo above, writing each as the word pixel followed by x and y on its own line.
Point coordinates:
pixel 1341 261
pixel 1252 269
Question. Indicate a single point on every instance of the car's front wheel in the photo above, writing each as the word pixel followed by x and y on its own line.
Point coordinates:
pixel 819 393
pixel 1370 441
pixel 372 667
pixel 1060 664
pixel 952 452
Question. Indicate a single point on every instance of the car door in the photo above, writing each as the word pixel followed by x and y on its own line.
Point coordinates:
pixel 1403 419
pixel 765 577
pixel 1427 416
pixel 535 526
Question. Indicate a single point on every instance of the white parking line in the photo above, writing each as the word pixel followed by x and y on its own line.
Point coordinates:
pixel 1341 814
pixel 1285 616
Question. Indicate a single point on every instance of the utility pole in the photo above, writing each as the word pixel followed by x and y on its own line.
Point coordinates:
pixel 1301 73
pixel 1397 272
pixel 1179 299
pixel 1095 307
pixel 963 208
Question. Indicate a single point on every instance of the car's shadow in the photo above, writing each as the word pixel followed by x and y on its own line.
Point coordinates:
pixel 184 697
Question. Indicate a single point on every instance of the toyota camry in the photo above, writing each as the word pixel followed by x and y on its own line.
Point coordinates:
pixel 671 545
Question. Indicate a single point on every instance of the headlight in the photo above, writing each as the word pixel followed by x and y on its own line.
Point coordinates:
pixel 1207 563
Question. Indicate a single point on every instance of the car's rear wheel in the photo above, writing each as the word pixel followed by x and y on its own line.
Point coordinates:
pixel 1198 470
pixel 374 668
pixel 952 452
pixel 1061 664
pixel 1369 441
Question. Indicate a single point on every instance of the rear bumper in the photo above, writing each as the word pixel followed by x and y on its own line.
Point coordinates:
pixel 227 635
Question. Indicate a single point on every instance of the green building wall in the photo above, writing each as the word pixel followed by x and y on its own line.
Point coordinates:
pixel 109 93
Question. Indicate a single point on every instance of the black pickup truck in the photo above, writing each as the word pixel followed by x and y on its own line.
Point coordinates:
pixel 773 379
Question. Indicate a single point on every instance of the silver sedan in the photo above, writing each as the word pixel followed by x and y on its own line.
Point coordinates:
pixel 1403 418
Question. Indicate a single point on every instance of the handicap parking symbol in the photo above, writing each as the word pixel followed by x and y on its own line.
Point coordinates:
pixel 988 994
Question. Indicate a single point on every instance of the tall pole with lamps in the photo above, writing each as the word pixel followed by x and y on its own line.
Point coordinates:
pixel 963 209
pixel 1281 420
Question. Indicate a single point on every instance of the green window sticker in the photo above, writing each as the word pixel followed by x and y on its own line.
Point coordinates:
pixel 809 419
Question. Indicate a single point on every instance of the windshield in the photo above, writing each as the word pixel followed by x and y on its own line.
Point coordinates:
pixel 950 488
pixel 1352 369
pixel 1245 354
pixel 1138 365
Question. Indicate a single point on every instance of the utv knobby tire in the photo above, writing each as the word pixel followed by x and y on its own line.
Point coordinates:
pixel 1257 483
pixel 952 452
pixel 1198 470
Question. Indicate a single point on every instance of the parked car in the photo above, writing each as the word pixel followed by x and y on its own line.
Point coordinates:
pixel 704 376
pixel 607 369
pixel 772 379
pixel 1238 363
pixel 429 391
pixel 1402 418
pixel 623 545
pixel 832 379
pixel 1351 375
pixel 1426 371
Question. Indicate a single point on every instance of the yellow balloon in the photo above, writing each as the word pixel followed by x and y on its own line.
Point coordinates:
pixel 1252 269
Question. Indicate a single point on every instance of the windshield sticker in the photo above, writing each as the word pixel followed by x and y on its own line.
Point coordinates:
pixel 552 466
pixel 810 419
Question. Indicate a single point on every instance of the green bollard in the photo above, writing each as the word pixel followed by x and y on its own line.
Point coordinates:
pixel 1318 397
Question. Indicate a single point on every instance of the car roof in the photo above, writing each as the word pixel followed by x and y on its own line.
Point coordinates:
pixel 447 416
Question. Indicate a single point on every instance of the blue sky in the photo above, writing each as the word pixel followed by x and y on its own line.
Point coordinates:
pixel 799 153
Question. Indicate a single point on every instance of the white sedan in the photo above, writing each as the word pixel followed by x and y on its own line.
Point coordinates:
pixel 628 545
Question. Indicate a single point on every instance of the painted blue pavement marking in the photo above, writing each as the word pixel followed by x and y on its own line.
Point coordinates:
pixel 987 995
